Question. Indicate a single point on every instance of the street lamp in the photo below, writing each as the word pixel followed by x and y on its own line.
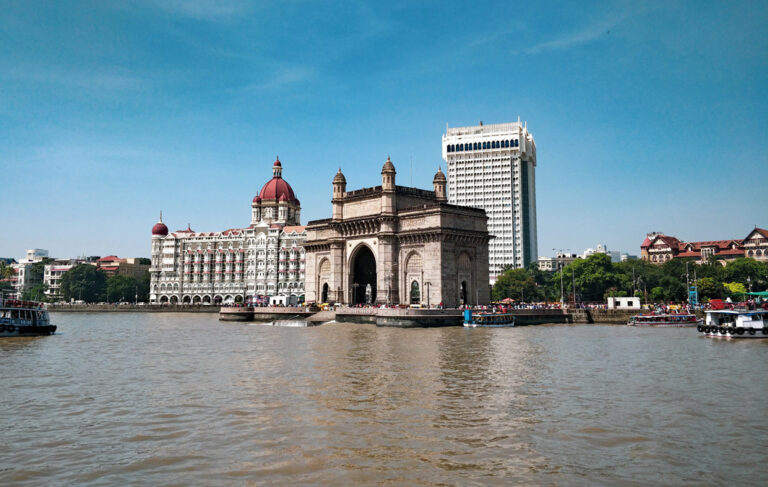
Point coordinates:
pixel 560 268
pixel 573 275
pixel 427 284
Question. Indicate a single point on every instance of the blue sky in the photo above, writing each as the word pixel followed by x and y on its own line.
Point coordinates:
pixel 647 115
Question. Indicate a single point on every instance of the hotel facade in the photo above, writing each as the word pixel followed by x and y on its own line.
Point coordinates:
pixel 493 167
pixel 261 262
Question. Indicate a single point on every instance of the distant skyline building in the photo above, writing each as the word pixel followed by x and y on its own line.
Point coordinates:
pixel 493 167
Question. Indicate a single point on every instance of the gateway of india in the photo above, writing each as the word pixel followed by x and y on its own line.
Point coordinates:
pixel 397 245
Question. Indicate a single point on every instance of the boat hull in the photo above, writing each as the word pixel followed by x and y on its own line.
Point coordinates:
pixel 476 325
pixel 736 336
pixel 26 330
pixel 669 325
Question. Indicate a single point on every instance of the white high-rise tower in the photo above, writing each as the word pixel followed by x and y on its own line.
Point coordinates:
pixel 494 167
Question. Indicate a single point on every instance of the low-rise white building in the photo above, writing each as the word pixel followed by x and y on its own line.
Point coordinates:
pixel 624 303
pixel 24 279
pixel 556 263
pixel 52 276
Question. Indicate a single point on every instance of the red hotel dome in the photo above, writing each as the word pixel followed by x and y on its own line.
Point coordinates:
pixel 276 189
pixel 160 228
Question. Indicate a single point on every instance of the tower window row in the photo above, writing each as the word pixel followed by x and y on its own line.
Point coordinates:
pixel 496 144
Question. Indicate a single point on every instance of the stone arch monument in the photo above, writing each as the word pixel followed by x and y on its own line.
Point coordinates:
pixel 395 245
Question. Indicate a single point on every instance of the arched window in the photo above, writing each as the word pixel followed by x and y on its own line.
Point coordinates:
pixel 413 265
pixel 750 253
pixel 464 262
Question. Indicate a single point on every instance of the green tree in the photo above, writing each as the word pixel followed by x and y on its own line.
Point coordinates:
pixel 709 288
pixel 143 261
pixel 6 271
pixel 84 282
pixel 125 288
pixel 35 292
pixel 517 284
pixel 34 275
pixel 144 281
pixel 673 288
pixel 593 277
pixel 734 288
pixel 656 294
pixel 748 272
pixel 5 287
pixel 544 282
pixel 121 288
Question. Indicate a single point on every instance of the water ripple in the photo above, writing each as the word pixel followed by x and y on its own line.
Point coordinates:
pixel 179 399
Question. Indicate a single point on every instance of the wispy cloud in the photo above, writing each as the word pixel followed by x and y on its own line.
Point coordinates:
pixel 73 77
pixel 206 9
pixel 592 32
pixel 282 78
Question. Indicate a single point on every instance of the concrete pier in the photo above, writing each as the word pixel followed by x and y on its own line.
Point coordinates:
pixel 397 317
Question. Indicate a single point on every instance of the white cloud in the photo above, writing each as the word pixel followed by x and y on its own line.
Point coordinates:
pixel 206 9
pixel 282 78
pixel 77 78
pixel 590 33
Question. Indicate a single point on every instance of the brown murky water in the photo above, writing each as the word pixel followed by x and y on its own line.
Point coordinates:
pixel 181 399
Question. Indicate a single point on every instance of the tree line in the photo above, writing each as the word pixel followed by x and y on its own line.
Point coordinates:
pixel 596 278
pixel 83 282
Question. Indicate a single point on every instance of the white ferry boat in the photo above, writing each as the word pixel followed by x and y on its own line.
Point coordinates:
pixel 727 323
pixel 488 320
pixel 24 318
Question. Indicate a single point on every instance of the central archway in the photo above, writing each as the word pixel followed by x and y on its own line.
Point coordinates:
pixel 363 278
pixel 325 293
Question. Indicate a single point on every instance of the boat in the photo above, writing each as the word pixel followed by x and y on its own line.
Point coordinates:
pixel 488 320
pixel 673 320
pixel 24 318
pixel 735 323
